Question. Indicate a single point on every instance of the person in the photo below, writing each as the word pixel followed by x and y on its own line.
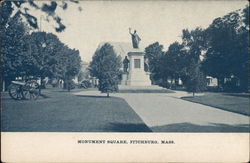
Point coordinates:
pixel 135 39
pixel 125 64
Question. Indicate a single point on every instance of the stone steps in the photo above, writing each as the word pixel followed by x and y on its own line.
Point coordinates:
pixel 143 89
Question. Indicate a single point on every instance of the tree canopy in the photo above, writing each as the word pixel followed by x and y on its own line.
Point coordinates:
pixel 220 51
pixel 228 42
pixel 106 67
pixel 12 47
pixel 154 53
pixel 23 7
pixel 37 54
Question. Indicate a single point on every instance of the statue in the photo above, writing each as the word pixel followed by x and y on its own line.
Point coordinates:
pixel 135 39
pixel 146 65
pixel 125 64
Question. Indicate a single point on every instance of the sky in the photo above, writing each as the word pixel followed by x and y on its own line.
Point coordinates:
pixel 109 21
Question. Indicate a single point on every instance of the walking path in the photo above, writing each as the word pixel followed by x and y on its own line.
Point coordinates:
pixel 162 110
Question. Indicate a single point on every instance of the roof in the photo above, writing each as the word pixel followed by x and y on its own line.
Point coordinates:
pixel 121 48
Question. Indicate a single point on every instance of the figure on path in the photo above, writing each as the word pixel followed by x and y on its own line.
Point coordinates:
pixel 125 64
pixel 135 39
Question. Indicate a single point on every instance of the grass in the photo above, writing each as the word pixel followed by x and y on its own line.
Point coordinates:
pixel 228 102
pixel 61 111
pixel 189 127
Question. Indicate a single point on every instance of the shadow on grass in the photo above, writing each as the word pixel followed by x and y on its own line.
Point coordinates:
pixel 127 127
pixel 189 127
pixel 194 100
pixel 237 95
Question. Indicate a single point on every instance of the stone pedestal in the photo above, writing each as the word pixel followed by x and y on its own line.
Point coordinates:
pixel 124 79
pixel 137 76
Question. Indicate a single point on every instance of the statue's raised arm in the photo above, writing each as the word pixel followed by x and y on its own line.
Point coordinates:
pixel 130 31
pixel 135 39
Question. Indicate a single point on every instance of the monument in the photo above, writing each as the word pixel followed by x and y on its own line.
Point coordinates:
pixel 133 66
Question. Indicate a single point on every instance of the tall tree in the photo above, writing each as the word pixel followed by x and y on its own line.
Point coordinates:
pixel 42 53
pixel 194 42
pixel 174 62
pixel 12 47
pixel 195 79
pixel 105 65
pixel 154 54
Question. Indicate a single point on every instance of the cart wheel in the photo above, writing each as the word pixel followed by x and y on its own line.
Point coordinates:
pixel 26 94
pixel 15 92
pixel 32 90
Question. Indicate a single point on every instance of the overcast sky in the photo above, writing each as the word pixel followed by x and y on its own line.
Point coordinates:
pixel 160 21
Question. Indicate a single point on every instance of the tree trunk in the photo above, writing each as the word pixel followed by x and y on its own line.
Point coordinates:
pixel 68 85
pixel 42 82
pixel 171 83
pixel 221 83
pixel 107 94
pixel 193 94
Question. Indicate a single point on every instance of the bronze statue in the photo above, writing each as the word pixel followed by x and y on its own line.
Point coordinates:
pixel 125 64
pixel 135 39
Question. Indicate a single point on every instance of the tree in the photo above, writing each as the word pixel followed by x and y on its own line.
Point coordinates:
pixel 174 62
pixel 227 55
pixel 12 47
pixel 195 45
pixel 196 81
pixel 105 65
pixel 39 54
pixel 72 66
pixel 154 53
pixel 42 54
pixel 84 72
pixel 16 45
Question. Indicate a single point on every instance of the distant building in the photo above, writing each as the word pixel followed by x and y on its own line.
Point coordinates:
pixel 212 82
pixel 121 48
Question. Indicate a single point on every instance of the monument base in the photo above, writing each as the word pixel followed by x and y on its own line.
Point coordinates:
pixel 124 79
pixel 136 75
pixel 139 79
pixel 143 89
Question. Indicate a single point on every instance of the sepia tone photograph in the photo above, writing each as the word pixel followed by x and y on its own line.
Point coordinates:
pixel 136 67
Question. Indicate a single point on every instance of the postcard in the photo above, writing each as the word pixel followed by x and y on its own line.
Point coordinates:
pixel 124 81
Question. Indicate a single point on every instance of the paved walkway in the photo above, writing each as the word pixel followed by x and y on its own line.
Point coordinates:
pixel 162 111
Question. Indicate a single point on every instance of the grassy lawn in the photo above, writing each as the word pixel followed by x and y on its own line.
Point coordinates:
pixel 61 111
pixel 228 102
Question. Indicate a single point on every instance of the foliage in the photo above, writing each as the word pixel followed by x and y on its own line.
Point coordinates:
pixel 154 53
pixel 196 81
pixel 106 66
pixel 12 48
pixel 84 72
pixel 174 62
pixel 23 7
pixel 220 51
pixel 23 54
pixel 49 57
pixel 227 55
pixel 194 42
pixel 39 54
